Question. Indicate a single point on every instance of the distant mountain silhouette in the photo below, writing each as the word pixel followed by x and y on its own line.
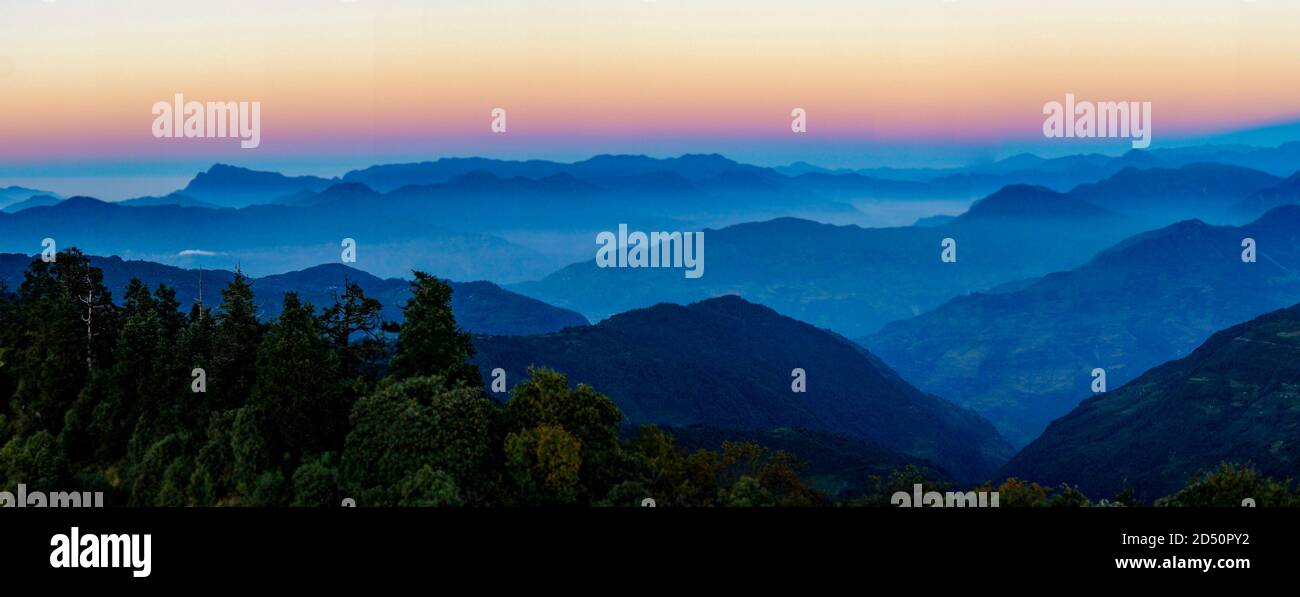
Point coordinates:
pixel 690 167
pixel 510 221
pixel 727 363
pixel 30 202
pixel 1064 173
pixel 1232 399
pixel 231 186
pixel 1286 192
pixel 1027 202
pixel 1163 195
pixel 480 307
pixel 341 194
pixel 932 221
pixel 608 190
pixel 1024 356
pixel 851 279
pixel 172 199
pixel 1278 161
pixel 14 194
pixel 1059 174
pixel 392 239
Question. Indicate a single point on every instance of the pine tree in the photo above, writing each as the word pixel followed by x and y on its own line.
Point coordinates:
pixel 354 326
pixel 430 343
pixel 66 318
pixel 297 388
pixel 234 351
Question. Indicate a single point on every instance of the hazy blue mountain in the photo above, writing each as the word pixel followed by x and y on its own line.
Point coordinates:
pixel 392 239
pixel 176 199
pixel 802 167
pixel 932 221
pixel 854 186
pixel 727 363
pixel 389 177
pixel 30 202
pixel 511 221
pixel 1066 172
pixel 1281 160
pixel 1286 192
pixel 852 279
pixel 231 186
pixel 1033 203
pixel 840 465
pixel 1024 356
pixel 1059 174
pixel 1232 399
pixel 690 166
pixel 696 189
pixel 353 194
pixel 1163 195
pixel 704 190
pixel 13 194
pixel 480 307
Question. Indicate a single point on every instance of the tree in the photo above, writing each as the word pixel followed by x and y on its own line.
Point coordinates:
pixel 98 398
pixel 8 346
pixel 1069 497
pixel 140 382
pixel 1229 485
pixel 66 319
pixel 297 388
pixel 237 336
pixel 36 461
pixel 418 422
pixel 901 479
pixel 195 348
pixel 544 462
pixel 356 316
pixel 316 482
pixel 1014 493
pixel 430 342
pixel 591 418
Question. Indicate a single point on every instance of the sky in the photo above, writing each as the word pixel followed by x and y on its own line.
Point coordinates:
pixel 888 82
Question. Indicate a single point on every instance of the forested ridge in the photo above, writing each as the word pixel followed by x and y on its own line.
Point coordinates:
pixel 215 407
pixel 316 406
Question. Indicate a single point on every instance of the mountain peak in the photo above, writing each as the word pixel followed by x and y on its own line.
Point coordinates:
pixel 82 201
pixel 740 379
pixel 1031 201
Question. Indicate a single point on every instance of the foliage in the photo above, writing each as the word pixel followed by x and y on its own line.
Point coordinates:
pixel 306 410
pixel 1229 485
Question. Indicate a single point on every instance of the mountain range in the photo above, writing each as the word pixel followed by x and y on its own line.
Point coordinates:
pixel 1286 192
pixel 231 186
pixel 728 363
pixel 852 279
pixel 1024 355
pixel 1232 399
pixel 1211 192
pixel 16 198
pixel 271 238
pixel 1066 172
